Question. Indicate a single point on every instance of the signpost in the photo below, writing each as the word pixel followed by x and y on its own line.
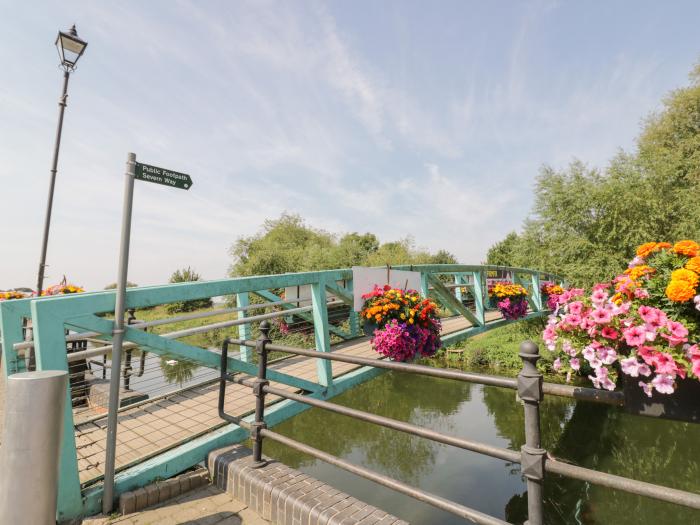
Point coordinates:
pixel 134 171
pixel 162 176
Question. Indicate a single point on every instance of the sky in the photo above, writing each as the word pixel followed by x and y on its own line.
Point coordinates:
pixel 395 117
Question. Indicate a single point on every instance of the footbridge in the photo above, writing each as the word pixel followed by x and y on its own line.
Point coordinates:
pixel 180 402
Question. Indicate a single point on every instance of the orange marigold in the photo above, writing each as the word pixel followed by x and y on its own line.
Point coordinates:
pixel 687 276
pixel 680 291
pixel 645 249
pixel 693 264
pixel 687 247
pixel 638 271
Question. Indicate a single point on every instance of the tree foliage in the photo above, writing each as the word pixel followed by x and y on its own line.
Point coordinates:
pixel 585 223
pixel 288 244
pixel 186 275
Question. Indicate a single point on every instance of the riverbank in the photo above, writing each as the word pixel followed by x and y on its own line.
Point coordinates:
pixel 496 350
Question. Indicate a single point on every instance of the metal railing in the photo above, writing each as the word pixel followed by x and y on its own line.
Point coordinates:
pixel 57 322
pixel 535 461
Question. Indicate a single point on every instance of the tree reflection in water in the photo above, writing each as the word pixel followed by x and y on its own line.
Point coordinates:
pixel 586 434
pixel 603 438
pixel 177 371
pixel 395 453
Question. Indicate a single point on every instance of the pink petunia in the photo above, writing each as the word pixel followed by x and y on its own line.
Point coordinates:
pixel 607 355
pixel 635 336
pixel 576 307
pixel 648 389
pixel 695 366
pixel 663 384
pixel 630 366
pixel 610 333
pixel 601 379
pixel 575 363
pixel 601 316
pixel 599 296
pixel 678 334
pixel 572 319
pixel 556 365
pixel 664 363
pixel 641 293
pixel 637 261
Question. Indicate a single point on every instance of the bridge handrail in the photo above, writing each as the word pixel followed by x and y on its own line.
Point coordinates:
pixel 58 320
pixel 531 388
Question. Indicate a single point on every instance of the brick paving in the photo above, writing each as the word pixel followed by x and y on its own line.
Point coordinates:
pixel 204 506
pixel 286 496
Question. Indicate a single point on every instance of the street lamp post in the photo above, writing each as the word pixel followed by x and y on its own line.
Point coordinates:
pixel 70 49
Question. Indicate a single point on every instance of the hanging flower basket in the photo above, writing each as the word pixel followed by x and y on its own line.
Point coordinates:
pixel 403 325
pixel 509 298
pixel 62 288
pixel 13 294
pixel 644 325
pixel 550 293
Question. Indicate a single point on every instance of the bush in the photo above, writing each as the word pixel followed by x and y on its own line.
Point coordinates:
pixel 187 275
pixel 113 286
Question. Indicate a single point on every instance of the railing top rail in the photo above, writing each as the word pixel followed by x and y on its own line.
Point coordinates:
pixel 144 296
pixel 574 392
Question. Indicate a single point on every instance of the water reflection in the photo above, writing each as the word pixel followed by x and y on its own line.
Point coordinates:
pixel 177 371
pixel 594 436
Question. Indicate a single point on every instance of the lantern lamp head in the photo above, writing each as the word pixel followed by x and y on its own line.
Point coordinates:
pixel 70 48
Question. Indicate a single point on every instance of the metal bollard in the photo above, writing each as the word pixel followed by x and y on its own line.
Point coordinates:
pixel 31 444
pixel 532 455
pixel 260 383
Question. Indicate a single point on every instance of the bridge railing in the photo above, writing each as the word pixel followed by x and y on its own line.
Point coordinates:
pixel 535 461
pixel 58 322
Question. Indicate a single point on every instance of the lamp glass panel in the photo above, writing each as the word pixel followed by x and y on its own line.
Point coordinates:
pixel 74 46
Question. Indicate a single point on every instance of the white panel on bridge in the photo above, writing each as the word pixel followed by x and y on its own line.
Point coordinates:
pixel 364 279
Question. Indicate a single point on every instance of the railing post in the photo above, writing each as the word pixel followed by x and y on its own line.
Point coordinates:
pixel 479 290
pixel 353 318
pixel 259 390
pixel 537 291
pixel 532 455
pixel 243 300
pixel 458 291
pixel 321 331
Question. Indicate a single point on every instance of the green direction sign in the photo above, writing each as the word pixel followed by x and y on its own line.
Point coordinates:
pixel 163 176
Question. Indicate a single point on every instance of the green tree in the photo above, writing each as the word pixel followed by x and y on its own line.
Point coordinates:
pixel 186 275
pixel 112 286
pixel 503 253
pixel 288 244
pixel 586 223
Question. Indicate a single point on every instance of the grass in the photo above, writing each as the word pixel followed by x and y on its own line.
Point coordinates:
pixel 497 349
pixel 214 338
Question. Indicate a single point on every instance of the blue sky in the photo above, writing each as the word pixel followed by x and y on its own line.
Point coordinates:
pixel 400 118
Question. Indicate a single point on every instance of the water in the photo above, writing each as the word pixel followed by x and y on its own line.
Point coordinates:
pixel 589 435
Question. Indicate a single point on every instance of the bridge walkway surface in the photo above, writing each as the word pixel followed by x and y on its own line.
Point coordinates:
pixel 152 427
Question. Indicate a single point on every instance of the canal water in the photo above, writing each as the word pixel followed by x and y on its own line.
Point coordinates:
pixel 586 434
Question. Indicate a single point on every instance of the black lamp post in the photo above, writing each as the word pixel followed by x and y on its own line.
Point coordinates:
pixel 70 49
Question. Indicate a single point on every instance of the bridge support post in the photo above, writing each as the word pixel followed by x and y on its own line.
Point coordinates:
pixel 259 391
pixel 243 300
pixel 321 331
pixel 532 454
pixel 479 293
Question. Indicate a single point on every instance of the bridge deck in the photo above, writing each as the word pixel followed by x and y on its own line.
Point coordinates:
pixel 154 427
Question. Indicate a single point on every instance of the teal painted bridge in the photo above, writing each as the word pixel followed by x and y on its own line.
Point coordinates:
pixel 166 432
